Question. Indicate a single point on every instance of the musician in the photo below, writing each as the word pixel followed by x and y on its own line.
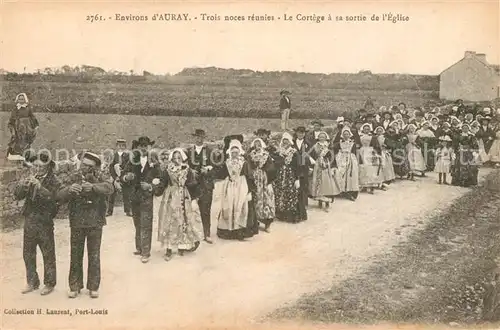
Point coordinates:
pixel 40 207
pixel 87 196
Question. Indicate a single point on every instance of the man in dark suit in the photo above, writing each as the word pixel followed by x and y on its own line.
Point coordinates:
pixel 144 175
pixel 87 196
pixel 200 161
pixel 285 108
pixel 120 158
pixel 302 145
pixel 39 209
pixel 312 136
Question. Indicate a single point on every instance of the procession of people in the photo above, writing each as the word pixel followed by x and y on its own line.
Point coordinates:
pixel 241 189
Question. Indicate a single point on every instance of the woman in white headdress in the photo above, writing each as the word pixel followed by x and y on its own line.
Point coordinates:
pixel 179 220
pixel 289 207
pixel 346 163
pixel 429 141
pixel 262 174
pixel 323 185
pixel 370 164
pixel 23 127
pixel 388 174
pixel 415 158
pixel 235 219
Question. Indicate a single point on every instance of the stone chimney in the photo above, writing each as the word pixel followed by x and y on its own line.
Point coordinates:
pixel 469 54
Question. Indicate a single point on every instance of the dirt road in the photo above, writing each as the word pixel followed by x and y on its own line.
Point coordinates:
pixel 228 283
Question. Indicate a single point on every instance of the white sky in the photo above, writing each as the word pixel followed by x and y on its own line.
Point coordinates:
pixel 36 36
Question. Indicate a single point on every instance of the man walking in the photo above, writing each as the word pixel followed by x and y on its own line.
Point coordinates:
pixel 40 207
pixel 87 197
pixel 200 160
pixel 285 107
pixel 144 175
pixel 120 158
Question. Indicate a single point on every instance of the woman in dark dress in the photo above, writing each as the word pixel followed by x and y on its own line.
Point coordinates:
pixel 286 186
pixel 262 174
pixel 396 143
pixel 23 127
pixel 465 168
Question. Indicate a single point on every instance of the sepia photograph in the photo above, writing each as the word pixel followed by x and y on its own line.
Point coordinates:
pixel 250 165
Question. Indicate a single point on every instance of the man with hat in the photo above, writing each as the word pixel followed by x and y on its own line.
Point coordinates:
pixel 144 175
pixel 200 161
pixel 304 162
pixel 40 207
pixel 285 108
pixel 86 196
pixel 312 136
pixel 265 135
pixel 386 119
pixel 486 133
pixel 120 158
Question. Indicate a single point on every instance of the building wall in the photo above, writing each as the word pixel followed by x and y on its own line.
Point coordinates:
pixel 469 80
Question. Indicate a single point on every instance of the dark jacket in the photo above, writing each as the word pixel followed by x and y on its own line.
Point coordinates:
pixel 488 136
pixel 303 158
pixel 117 159
pixel 87 210
pixel 40 207
pixel 150 172
pixel 285 103
pixel 198 160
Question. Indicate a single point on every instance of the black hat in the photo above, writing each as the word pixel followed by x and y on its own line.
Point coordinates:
pixel 488 118
pixel 93 157
pixel 284 92
pixel 121 141
pixel 301 129
pixel 144 140
pixel 229 138
pixel 199 132
pixel 262 131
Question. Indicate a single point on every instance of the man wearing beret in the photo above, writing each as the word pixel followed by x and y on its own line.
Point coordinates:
pixel 120 158
pixel 144 175
pixel 87 198
pixel 40 207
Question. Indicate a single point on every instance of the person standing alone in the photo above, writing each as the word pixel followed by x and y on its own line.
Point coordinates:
pixel 285 107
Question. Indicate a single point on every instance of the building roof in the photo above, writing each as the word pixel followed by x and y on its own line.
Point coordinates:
pixel 472 55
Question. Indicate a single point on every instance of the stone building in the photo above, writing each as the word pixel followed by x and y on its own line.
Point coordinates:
pixel 470 79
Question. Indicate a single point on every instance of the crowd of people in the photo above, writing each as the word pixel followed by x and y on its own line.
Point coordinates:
pixel 246 185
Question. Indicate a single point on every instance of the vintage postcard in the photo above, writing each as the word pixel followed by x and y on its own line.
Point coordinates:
pixel 250 165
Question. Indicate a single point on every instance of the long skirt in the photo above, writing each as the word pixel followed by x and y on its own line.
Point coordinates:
pixel 232 210
pixel 494 154
pixel 415 159
pixel 286 196
pixel 482 157
pixel 370 168
pixel 23 137
pixel 347 173
pixel 263 198
pixel 179 220
pixel 400 162
pixel 388 173
pixel 465 171
pixel 323 183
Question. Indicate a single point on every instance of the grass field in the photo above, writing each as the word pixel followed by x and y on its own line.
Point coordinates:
pixel 236 98
pixel 98 132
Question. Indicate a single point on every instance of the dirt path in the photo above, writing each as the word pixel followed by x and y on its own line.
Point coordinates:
pixel 228 282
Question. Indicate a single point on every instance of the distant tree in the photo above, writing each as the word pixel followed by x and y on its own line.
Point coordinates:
pixel 47 70
pixel 146 73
